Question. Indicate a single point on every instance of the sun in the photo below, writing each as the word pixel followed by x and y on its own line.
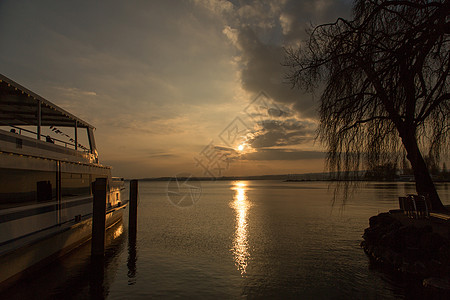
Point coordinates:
pixel 241 147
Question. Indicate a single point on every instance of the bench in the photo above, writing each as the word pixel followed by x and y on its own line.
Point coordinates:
pixel 443 217
pixel 415 206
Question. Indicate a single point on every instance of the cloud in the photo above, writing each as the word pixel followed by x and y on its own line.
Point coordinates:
pixel 284 154
pixel 232 35
pixel 216 7
pixel 74 92
pixel 286 22
pixel 261 29
pixel 162 155
pixel 275 133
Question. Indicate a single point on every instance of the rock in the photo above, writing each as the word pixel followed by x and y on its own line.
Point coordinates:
pixel 437 283
pixel 393 240
pixel 433 267
pixel 381 219
pixel 419 267
pixel 444 254
pixel 410 235
pixel 412 250
pixel 412 254
pixel 431 242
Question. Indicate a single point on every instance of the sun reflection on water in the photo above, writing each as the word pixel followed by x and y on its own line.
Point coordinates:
pixel 240 242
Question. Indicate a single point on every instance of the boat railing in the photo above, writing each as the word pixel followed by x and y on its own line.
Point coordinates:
pixel 49 139
pixel 26 143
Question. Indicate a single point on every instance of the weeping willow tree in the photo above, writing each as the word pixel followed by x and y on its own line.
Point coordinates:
pixel 385 86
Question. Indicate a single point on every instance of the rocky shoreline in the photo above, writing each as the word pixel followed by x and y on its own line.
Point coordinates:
pixel 416 251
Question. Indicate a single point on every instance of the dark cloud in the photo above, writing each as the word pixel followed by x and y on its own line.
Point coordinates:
pixel 263 29
pixel 227 154
pixel 263 107
pixel 226 149
pixel 283 154
pixel 298 15
pixel 289 132
pixel 263 71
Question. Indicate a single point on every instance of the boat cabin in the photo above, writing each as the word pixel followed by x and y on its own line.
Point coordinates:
pixel 32 125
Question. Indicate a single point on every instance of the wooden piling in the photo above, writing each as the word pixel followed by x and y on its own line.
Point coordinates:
pixel 99 218
pixel 132 258
pixel 132 220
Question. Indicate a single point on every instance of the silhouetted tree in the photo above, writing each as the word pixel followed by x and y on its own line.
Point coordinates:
pixel 385 85
pixel 406 167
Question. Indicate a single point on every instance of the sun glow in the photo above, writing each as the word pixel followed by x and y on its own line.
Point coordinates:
pixel 244 148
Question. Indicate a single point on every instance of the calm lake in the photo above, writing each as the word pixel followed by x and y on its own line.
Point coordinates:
pixel 241 239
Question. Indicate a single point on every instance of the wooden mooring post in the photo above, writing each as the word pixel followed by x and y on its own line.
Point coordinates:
pixel 132 220
pixel 99 218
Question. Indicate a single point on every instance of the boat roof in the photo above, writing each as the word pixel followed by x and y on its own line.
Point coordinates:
pixel 18 106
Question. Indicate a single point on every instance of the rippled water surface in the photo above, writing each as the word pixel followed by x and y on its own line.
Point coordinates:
pixel 252 239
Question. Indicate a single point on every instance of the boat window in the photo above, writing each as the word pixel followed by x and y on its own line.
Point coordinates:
pixel 25 187
pixel 75 185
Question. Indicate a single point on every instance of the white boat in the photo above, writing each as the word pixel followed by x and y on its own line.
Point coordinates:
pixel 48 163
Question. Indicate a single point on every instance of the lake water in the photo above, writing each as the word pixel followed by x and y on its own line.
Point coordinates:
pixel 241 239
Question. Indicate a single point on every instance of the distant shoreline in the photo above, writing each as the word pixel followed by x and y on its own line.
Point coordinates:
pixel 274 177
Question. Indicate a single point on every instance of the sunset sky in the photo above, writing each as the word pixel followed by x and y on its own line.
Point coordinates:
pixel 193 86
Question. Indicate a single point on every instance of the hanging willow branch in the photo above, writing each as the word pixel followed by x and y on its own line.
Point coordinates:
pixel 385 82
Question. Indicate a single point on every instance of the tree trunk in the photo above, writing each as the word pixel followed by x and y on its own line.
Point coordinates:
pixel 424 183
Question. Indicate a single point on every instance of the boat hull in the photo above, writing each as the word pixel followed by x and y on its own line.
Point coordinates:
pixel 49 245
